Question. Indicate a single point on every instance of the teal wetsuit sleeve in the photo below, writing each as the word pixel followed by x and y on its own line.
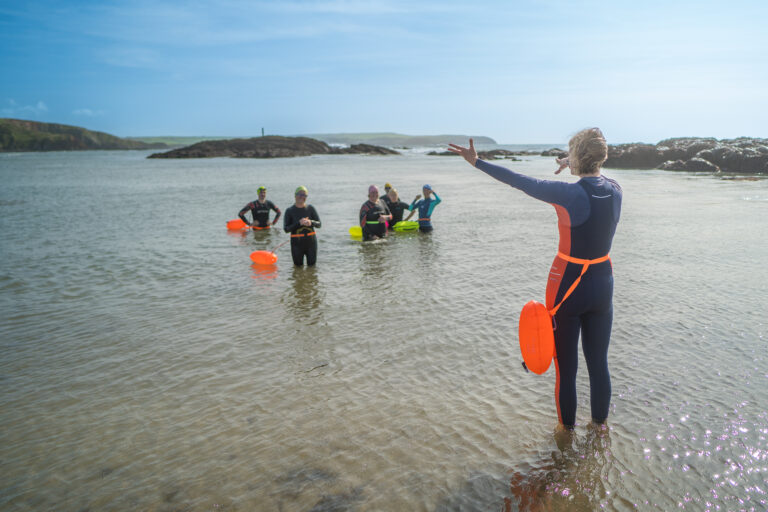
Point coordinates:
pixel 569 195
pixel 434 203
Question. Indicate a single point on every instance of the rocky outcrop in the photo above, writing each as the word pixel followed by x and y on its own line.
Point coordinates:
pixel 21 135
pixel 272 146
pixel 742 155
pixel 556 152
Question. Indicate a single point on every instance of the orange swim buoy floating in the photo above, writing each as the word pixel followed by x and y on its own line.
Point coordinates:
pixel 537 339
pixel 236 224
pixel 264 257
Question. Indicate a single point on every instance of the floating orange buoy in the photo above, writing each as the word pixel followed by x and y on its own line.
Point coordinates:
pixel 236 224
pixel 537 340
pixel 264 257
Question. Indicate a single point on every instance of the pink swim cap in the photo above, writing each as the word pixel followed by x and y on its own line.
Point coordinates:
pixel 373 188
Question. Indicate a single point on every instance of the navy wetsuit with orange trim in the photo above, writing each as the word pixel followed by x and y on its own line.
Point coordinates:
pixel 588 212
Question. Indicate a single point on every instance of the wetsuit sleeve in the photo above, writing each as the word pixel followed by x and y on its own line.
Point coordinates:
pixel 314 217
pixel 363 214
pixel 289 223
pixel 414 204
pixel 242 211
pixel 277 211
pixel 553 192
pixel 434 203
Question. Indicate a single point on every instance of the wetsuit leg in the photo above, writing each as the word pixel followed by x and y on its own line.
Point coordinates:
pixel 566 365
pixel 425 229
pixel 311 250
pixel 595 337
pixel 297 252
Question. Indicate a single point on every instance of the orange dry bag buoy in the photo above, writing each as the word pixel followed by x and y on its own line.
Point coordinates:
pixel 236 224
pixel 264 257
pixel 537 339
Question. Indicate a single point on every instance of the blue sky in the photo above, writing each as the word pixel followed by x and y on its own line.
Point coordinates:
pixel 518 71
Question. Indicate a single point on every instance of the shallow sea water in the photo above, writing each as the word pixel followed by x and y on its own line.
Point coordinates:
pixel 147 365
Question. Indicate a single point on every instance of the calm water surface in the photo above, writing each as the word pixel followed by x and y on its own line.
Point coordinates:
pixel 147 365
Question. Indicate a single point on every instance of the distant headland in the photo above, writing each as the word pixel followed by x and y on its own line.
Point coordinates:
pixel 21 135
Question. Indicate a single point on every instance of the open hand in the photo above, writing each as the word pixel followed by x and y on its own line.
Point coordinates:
pixel 563 163
pixel 469 154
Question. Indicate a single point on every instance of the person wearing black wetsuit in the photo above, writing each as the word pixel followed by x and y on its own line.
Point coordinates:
pixel 300 221
pixel 260 211
pixel 588 212
pixel 374 216
pixel 396 206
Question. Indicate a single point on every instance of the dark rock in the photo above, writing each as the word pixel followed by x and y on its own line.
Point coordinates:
pixel 272 146
pixel 633 156
pixel 673 165
pixel 556 152
pixel 497 154
pixel 367 149
pixel 442 153
pixel 742 155
pixel 700 165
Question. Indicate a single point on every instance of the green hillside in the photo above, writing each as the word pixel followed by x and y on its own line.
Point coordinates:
pixel 21 135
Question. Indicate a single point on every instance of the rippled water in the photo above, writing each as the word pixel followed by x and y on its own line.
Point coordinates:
pixel 146 365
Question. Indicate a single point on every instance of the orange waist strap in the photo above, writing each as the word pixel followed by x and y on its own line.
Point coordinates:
pixel 580 261
pixel 585 265
pixel 303 234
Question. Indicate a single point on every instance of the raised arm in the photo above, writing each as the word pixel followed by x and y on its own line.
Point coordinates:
pixel 554 192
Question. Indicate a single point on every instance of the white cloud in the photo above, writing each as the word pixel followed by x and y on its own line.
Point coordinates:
pixel 15 110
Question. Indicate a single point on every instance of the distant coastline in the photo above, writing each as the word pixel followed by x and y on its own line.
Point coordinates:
pixel 695 154
pixel 21 135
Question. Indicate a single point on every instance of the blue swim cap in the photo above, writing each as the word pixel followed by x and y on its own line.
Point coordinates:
pixel 428 187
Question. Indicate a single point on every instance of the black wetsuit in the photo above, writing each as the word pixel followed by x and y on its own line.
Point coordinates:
pixel 397 208
pixel 369 219
pixel 303 238
pixel 260 213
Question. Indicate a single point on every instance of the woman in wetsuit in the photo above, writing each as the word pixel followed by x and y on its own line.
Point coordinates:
pixel 374 216
pixel 587 213
pixel 300 220
pixel 396 206
pixel 425 208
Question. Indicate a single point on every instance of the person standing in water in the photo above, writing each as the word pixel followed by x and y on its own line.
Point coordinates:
pixel 396 206
pixel 425 207
pixel 300 221
pixel 385 198
pixel 374 216
pixel 260 211
pixel 588 212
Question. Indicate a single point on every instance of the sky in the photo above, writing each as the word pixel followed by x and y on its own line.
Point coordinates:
pixel 528 71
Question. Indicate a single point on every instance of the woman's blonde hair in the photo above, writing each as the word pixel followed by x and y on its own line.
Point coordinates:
pixel 394 191
pixel 587 150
